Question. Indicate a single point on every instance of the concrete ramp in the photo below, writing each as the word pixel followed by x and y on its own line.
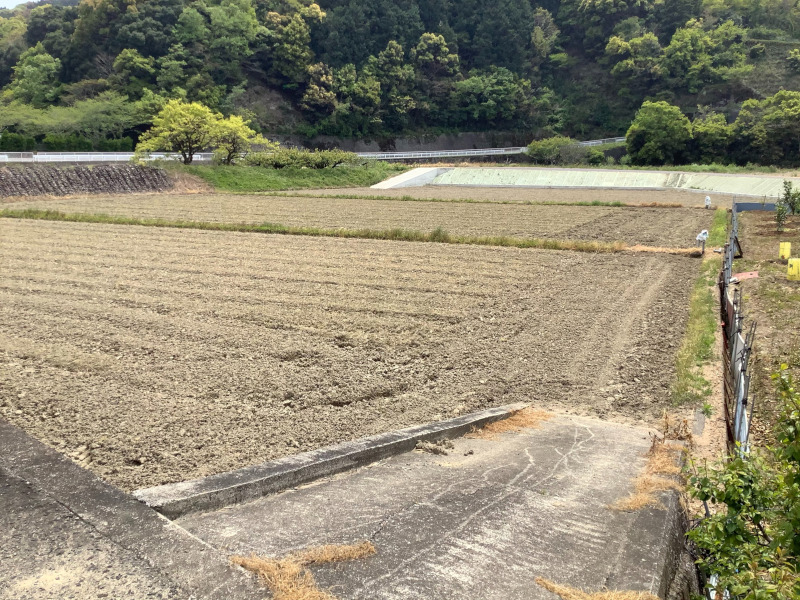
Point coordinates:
pixel 484 521
pixel 412 178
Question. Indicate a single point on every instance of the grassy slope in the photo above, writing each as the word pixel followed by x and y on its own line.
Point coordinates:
pixel 698 342
pixel 257 179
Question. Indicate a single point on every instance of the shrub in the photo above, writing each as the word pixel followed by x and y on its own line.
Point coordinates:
pixel 793 59
pixel 781 212
pixel 299 159
pixel 14 142
pixel 119 145
pixel 791 198
pixel 751 542
pixel 549 150
pixel 66 143
pixel 597 157
pixel 757 51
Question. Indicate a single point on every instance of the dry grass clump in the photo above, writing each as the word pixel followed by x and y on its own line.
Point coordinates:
pixel 659 475
pixel 663 250
pixel 288 579
pixel 527 418
pixel 570 593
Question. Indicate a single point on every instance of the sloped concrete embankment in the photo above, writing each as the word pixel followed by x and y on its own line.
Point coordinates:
pixel 45 180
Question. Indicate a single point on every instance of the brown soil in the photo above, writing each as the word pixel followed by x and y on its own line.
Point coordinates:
pixel 521 194
pixel 156 355
pixel 675 228
pixel 773 302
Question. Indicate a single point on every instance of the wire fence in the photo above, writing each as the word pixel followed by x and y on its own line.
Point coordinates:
pixel 737 348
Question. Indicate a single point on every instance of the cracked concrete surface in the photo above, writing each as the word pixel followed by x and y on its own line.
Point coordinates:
pixel 482 522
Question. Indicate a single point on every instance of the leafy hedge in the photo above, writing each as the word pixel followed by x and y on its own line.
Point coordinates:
pixel 295 158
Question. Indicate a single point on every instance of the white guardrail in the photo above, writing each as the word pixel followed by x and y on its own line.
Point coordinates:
pixel 90 157
pixel 110 157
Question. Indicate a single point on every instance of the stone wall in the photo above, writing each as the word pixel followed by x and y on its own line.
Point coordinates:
pixel 46 180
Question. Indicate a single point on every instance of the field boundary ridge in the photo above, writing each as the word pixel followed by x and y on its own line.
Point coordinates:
pixel 250 483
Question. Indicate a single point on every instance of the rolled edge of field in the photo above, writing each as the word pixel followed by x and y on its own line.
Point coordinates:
pixel 176 500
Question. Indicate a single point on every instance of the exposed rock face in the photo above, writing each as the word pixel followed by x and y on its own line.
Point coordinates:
pixel 46 180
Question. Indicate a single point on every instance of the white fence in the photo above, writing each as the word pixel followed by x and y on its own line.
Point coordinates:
pixel 90 157
pixel 111 157
pixel 466 153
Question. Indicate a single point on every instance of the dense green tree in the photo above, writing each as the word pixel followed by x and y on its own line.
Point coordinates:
pixel 712 136
pixel 638 62
pixel 696 57
pixel 342 38
pixel 397 81
pixel 288 36
pixel 132 73
pixel 12 45
pixel 768 131
pixel 660 134
pixel 35 79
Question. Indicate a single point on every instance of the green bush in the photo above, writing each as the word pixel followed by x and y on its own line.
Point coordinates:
pixel 67 143
pixel 596 157
pixel 751 540
pixel 14 142
pixel 793 58
pixel 296 158
pixel 550 150
pixel 115 145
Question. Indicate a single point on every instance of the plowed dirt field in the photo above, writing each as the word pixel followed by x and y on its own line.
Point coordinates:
pixel 155 355
pixel 522 194
pixel 673 227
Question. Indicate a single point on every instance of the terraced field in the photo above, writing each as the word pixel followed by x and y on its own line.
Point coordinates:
pixel 154 355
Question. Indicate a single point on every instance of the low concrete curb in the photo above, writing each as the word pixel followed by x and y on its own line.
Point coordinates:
pixel 250 483
pixel 195 567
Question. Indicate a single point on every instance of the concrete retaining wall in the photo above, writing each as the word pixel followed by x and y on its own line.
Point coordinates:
pixel 46 180
pixel 740 185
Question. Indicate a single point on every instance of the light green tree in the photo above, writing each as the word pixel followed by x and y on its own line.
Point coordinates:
pixel 132 73
pixel 712 137
pixel 233 139
pixel 660 134
pixel 183 127
pixel 35 79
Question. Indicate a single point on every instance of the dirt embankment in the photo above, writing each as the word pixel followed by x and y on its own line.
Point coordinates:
pixel 155 355
pixel 46 180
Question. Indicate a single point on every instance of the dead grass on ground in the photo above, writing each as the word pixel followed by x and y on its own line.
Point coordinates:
pixel 527 418
pixel 186 183
pixel 660 474
pixel 288 579
pixel 570 593
pixel 663 250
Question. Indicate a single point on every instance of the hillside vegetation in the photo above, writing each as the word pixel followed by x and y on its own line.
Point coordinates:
pixel 92 75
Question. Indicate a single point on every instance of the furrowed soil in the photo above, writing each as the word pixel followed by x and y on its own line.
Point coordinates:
pixel 155 355
pixel 560 195
pixel 674 227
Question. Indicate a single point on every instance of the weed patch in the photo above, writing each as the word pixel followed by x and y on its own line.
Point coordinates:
pixel 288 579
pixel 527 418
pixel 570 593
pixel 698 341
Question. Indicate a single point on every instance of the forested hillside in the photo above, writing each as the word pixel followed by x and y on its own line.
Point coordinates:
pixel 93 74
